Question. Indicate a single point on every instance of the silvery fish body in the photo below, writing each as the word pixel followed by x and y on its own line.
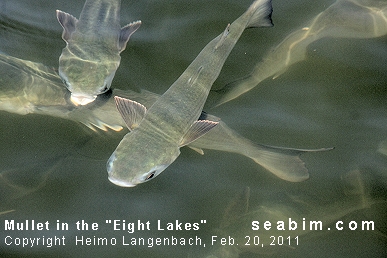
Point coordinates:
pixel 94 42
pixel 32 88
pixel 172 121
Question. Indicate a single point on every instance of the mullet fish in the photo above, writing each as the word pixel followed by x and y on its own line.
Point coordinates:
pixel 94 42
pixel 158 133
pixel 33 88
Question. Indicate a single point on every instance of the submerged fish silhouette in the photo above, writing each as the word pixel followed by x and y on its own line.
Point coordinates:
pixel 239 219
pixel 343 19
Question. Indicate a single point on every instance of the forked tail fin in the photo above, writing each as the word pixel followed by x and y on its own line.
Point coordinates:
pixel 285 163
pixel 261 14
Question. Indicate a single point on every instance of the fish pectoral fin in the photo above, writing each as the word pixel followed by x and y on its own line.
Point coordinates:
pixel 131 111
pixel 125 34
pixel 197 129
pixel 68 22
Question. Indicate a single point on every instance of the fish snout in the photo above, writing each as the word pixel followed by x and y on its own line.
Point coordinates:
pixel 112 178
pixel 120 182
pixel 81 99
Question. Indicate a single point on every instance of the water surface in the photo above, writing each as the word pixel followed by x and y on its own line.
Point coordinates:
pixel 336 98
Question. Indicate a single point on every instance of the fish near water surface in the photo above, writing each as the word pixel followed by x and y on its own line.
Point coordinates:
pixel 93 45
pixel 26 85
pixel 172 121
pixel 33 88
pixel 342 19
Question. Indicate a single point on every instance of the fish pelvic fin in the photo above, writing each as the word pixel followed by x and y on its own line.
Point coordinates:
pixel 125 34
pixel 261 14
pixel 97 124
pixel 197 130
pixel 131 111
pixel 68 23
pixel 198 150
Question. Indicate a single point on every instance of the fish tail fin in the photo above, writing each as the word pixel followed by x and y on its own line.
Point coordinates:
pixel 260 11
pixel 285 163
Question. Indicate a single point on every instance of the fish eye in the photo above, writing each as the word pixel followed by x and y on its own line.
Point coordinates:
pixel 150 175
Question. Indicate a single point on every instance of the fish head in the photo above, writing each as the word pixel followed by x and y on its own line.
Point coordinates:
pixel 133 163
pixel 86 79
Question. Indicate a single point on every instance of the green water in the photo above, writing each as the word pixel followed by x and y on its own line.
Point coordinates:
pixel 336 97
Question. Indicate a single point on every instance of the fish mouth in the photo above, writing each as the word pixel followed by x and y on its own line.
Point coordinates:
pixel 81 100
pixel 120 182
pixel 114 180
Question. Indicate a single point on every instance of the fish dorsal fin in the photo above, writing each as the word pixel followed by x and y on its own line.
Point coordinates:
pixel 197 129
pixel 125 34
pixel 223 37
pixel 131 111
pixel 68 22
pixel 236 208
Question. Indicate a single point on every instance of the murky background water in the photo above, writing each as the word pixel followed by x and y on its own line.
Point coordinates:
pixel 335 97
